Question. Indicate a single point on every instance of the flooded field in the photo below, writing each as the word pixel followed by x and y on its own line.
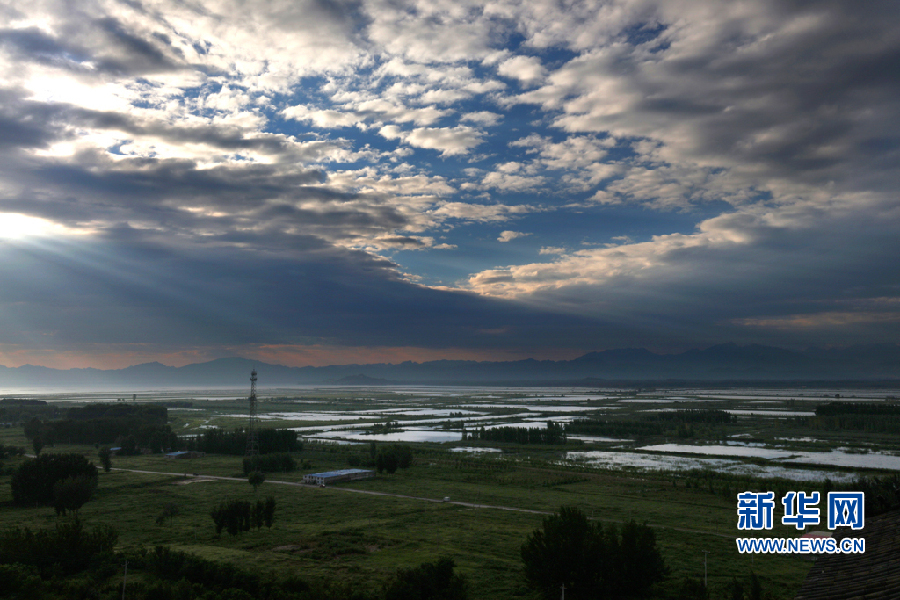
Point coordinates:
pixel 760 432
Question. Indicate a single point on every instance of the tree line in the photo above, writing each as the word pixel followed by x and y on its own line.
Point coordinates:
pixel 276 462
pixel 710 416
pixel 234 442
pixel 614 428
pixel 130 426
pixel 553 434
pixel 833 409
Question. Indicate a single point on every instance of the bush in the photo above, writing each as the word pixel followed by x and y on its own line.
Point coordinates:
pixel 33 481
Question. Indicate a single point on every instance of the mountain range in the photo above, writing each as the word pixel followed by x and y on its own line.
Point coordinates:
pixel 725 362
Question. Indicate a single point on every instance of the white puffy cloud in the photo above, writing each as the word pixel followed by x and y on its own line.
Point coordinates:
pixel 508 236
pixel 507 182
pixel 352 115
pixel 527 69
pixel 483 117
pixel 449 141
pixel 479 212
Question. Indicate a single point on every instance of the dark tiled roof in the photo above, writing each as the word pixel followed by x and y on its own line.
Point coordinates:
pixel 874 575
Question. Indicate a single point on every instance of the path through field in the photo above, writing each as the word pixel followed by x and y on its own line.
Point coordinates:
pixel 200 478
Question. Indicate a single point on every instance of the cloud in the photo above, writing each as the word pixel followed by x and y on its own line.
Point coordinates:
pixel 729 279
pixel 511 183
pixel 508 236
pixel 552 250
pixel 726 172
pixel 450 141
pixel 440 33
pixel 527 69
pixel 579 157
pixel 129 290
pixel 483 117
pixel 821 320
pixel 479 212
pixel 753 90
pixel 353 115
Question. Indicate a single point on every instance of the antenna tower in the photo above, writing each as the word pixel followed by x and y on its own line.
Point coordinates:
pixel 252 437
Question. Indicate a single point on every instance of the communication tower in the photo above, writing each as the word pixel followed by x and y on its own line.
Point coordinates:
pixel 252 437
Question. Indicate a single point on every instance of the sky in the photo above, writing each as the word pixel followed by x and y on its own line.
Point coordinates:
pixel 315 182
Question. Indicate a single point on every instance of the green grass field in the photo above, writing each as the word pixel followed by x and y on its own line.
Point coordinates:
pixel 334 534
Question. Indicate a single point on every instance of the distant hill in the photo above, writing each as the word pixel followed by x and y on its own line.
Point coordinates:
pixel 725 362
pixel 364 380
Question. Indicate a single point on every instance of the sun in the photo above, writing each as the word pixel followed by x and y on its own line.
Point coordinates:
pixel 15 226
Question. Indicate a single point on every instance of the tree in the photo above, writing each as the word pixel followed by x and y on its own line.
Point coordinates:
pixel 37 444
pixel 755 587
pixel 428 581
pixel 256 479
pixel 735 589
pixel 590 560
pixel 691 589
pixel 169 511
pixel 404 456
pixel 64 550
pixel 33 428
pixel 236 516
pixel 567 550
pixel 269 511
pixel 105 455
pixel 640 563
pixel 72 493
pixel 387 459
pixel 128 446
pixel 33 481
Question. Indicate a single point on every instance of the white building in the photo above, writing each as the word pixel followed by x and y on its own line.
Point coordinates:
pixel 335 476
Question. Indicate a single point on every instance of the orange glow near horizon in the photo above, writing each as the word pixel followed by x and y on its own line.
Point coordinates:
pixel 315 355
